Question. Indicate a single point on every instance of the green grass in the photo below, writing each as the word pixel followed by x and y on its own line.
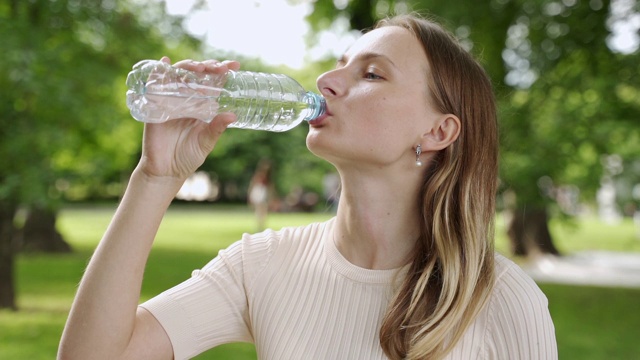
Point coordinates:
pixel 591 322
pixel 595 323
pixel 588 233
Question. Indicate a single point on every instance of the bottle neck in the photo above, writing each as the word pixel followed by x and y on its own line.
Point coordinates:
pixel 317 106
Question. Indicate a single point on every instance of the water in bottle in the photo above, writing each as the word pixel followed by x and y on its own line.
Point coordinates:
pixel 158 92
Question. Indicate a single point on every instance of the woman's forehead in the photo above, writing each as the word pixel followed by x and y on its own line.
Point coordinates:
pixel 397 43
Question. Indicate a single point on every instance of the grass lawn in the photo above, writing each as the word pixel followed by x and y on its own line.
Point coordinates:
pixel 591 322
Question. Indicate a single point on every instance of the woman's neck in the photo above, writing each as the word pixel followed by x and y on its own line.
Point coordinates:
pixel 377 228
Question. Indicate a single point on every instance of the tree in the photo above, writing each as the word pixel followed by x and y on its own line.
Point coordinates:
pixel 560 126
pixel 61 85
pixel 565 97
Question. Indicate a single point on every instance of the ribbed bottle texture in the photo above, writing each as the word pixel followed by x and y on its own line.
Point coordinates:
pixel 158 92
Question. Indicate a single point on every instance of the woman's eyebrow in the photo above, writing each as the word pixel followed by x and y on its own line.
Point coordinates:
pixel 366 56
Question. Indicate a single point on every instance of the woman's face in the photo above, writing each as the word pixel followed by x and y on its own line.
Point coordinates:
pixel 377 100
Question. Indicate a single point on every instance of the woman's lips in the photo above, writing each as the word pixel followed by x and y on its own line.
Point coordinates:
pixel 318 122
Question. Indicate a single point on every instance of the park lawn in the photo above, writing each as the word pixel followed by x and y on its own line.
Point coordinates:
pixel 591 322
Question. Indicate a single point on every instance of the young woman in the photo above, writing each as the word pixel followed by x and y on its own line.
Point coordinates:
pixel 259 192
pixel 405 270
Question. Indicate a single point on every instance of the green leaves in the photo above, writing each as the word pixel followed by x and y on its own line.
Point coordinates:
pixel 62 113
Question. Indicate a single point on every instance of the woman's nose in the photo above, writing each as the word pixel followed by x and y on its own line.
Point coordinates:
pixel 330 84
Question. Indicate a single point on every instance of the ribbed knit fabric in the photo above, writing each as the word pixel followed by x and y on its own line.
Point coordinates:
pixel 293 295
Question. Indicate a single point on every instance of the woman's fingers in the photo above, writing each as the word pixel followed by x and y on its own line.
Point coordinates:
pixel 210 66
pixel 215 65
pixel 225 119
pixel 215 128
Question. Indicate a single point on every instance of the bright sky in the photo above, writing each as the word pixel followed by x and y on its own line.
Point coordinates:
pixel 272 30
pixel 624 25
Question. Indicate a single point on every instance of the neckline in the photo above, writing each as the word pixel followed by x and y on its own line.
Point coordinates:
pixel 353 272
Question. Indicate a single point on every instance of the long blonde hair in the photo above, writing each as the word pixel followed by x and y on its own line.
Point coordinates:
pixel 452 273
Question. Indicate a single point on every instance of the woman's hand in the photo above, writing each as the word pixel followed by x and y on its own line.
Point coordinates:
pixel 175 149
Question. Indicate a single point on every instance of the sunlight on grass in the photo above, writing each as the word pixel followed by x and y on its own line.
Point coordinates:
pixel 591 323
pixel 593 234
pixel 588 233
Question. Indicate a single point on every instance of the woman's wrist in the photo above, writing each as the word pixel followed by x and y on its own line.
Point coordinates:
pixel 158 186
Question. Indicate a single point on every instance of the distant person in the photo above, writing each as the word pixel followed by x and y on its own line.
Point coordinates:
pixel 259 192
pixel 405 270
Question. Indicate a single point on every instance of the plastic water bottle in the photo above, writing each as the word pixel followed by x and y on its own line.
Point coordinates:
pixel 158 92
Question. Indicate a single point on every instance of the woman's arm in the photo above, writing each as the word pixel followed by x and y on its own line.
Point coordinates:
pixel 104 322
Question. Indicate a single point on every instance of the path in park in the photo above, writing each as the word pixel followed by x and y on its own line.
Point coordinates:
pixel 598 268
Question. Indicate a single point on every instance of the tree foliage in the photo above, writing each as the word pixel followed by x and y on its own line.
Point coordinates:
pixel 62 112
pixel 62 92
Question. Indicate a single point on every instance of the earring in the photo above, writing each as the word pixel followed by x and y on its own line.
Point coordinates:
pixel 418 152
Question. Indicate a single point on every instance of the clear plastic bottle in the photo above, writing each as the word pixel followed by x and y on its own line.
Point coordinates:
pixel 158 92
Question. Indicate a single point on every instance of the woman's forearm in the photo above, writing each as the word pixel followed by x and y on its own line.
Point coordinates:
pixel 103 318
pixel 103 314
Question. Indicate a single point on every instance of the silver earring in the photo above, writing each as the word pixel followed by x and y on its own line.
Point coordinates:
pixel 418 152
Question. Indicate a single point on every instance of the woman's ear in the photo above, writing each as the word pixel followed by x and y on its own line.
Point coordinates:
pixel 445 131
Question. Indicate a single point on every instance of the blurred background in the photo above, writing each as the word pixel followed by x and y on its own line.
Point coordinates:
pixel 566 78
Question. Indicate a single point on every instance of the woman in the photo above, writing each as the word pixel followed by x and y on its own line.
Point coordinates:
pixel 406 269
pixel 259 191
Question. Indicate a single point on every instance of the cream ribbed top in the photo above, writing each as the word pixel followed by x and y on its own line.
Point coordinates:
pixel 293 295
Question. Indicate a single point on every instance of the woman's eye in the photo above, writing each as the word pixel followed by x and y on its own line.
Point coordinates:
pixel 372 76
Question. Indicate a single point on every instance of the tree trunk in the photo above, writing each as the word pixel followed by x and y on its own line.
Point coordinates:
pixel 529 233
pixel 7 251
pixel 39 233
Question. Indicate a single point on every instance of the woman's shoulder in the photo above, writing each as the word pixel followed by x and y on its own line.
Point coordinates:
pixel 260 248
pixel 519 324
pixel 262 251
pixel 285 237
pixel 512 282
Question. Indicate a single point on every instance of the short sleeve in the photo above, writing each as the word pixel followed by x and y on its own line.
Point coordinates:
pixel 520 325
pixel 211 307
